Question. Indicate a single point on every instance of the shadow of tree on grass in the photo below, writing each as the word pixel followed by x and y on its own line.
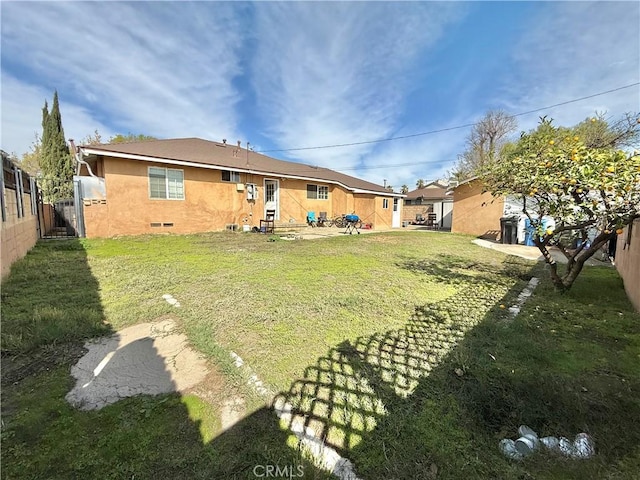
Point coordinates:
pixel 346 396
pixel 429 400
pixel 432 400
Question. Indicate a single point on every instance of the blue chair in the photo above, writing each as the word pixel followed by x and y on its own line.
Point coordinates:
pixel 311 219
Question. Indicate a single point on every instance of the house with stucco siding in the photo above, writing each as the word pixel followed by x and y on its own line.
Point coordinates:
pixel 191 185
pixel 475 211
pixel 432 198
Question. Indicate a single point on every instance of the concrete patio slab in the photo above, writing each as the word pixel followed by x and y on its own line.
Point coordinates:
pixel 532 253
pixel 149 358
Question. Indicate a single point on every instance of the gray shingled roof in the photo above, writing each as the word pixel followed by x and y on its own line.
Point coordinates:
pixel 433 193
pixel 229 157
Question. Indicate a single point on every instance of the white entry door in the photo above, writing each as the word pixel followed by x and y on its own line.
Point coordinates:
pixel 395 219
pixel 272 197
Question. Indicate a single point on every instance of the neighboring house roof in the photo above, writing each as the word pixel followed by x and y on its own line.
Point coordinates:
pixel 207 154
pixel 451 188
pixel 429 192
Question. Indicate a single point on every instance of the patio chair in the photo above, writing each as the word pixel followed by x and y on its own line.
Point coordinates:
pixel 311 219
pixel 432 220
pixel 419 219
pixel 268 224
pixel 323 220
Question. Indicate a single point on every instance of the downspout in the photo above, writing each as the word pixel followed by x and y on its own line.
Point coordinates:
pixel 78 156
pixel 77 190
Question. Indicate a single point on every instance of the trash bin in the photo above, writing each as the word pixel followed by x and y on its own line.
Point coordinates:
pixel 509 229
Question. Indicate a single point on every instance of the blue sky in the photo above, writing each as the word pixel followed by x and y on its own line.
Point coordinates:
pixel 301 74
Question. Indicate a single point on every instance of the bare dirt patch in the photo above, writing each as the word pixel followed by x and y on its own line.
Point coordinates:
pixel 16 368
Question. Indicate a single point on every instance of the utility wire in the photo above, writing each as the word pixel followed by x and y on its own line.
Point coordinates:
pixel 449 128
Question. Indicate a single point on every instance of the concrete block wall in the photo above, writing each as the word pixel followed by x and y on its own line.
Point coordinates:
pixel 17 239
pixel 628 261
pixel 18 234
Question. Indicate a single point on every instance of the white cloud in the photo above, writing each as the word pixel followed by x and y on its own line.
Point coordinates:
pixel 330 73
pixel 22 116
pixel 427 157
pixel 574 49
pixel 309 73
pixel 568 50
pixel 163 69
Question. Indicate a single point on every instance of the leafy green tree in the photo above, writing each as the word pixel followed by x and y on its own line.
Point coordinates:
pixel 420 183
pixel 96 138
pixel 30 161
pixel 56 162
pixel 598 133
pixel 92 139
pixel 404 189
pixel 130 137
pixel 590 189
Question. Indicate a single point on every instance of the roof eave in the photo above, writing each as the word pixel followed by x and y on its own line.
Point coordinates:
pixel 92 151
pixel 376 192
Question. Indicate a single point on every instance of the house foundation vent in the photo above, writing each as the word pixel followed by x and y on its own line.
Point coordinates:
pixel 232 227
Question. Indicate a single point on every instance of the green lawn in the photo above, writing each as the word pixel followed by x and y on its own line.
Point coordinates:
pixel 394 346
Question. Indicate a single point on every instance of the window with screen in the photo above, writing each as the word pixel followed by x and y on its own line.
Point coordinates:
pixel 166 183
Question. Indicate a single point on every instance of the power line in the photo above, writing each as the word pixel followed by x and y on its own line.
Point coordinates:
pixel 369 167
pixel 430 132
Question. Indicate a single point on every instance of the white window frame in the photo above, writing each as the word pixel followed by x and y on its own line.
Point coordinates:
pixel 385 203
pixel 166 185
pixel 322 192
pixel 234 177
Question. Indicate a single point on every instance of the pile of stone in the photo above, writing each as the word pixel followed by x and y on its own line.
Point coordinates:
pixel 529 442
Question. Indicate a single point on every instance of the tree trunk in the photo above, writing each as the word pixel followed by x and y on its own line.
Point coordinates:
pixel 553 266
pixel 574 265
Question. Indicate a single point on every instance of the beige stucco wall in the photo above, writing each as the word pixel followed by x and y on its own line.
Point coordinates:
pixel 341 201
pixel 294 203
pixel 365 207
pixel 19 235
pixel 476 213
pixel 209 204
pixel 628 262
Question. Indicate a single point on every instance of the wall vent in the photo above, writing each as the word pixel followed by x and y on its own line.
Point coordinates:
pixel 167 224
pixel 233 227
pixel 156 224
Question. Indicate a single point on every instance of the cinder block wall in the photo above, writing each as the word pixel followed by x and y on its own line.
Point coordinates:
pixel 628 262
pixel 19 234
pixel 409 212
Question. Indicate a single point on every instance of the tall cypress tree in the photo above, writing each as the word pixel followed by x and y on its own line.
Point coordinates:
pixel 56 161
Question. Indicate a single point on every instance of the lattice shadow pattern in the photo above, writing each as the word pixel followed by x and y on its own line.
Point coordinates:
pixel 342 397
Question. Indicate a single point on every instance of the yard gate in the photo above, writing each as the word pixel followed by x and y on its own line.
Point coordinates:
pixel 59 217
